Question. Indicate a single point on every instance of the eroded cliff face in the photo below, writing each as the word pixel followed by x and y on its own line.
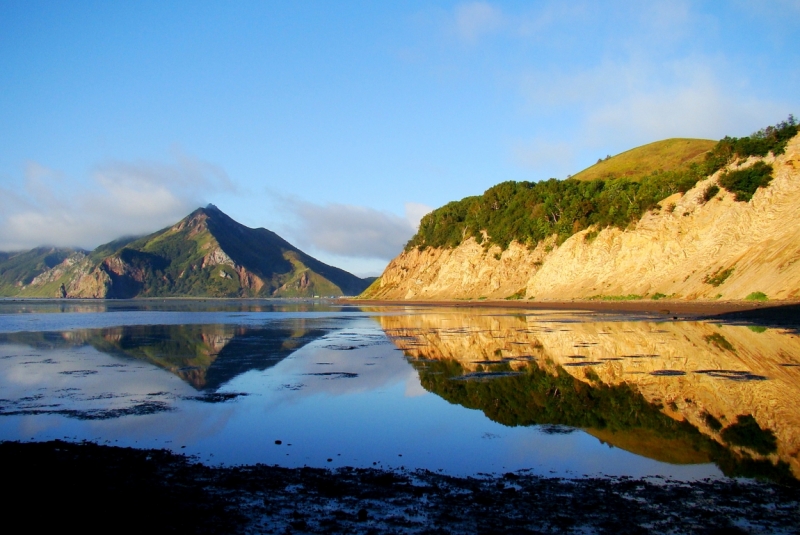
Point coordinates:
pixel 689 368
pixel 673 251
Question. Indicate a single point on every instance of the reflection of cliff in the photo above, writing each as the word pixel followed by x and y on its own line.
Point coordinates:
pixel 205 356
pixel 590 374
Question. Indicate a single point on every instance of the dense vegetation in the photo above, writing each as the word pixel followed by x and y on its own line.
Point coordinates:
pixel 743 183
pixel 529 212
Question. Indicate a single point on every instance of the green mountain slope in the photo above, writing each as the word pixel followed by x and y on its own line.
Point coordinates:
pixel 18 270
pixel 205 254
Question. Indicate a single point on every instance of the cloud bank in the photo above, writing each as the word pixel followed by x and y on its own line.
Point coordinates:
pixel 351 231
pixel 595 77
pixel 120 199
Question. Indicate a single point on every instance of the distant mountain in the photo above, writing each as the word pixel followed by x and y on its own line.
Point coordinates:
pixel 205 254
pixel 18 271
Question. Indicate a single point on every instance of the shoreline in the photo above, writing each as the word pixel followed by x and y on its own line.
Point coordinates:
pixel 93 486
pixel 787 309
pixel 661 306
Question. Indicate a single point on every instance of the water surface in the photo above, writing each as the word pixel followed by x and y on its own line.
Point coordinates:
pixel 460 391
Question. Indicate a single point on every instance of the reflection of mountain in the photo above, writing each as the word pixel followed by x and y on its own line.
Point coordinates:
pixel 205 356
pixel 671 391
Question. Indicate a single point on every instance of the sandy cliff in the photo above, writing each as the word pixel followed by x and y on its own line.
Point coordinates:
pixel 672 251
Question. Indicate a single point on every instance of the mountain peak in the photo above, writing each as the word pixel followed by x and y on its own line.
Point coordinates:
pixel 207 253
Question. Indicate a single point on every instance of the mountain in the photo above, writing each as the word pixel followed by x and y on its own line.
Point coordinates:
pixel 726 227
pixel 205 254
pixel 19 271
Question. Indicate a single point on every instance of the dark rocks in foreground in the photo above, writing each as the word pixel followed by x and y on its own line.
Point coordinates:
pixel 95 488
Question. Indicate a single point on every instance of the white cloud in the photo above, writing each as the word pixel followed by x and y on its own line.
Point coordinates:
pixel 414 213
pixel 638 100
pixel 476 19
pixel 351 231
pixel 122 198
pixel 700 108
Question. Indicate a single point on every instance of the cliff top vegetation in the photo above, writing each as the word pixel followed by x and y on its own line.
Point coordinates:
pixel 529 212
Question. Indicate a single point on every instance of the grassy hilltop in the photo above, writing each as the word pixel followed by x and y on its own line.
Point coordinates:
pixel 614 192
pixel 667 155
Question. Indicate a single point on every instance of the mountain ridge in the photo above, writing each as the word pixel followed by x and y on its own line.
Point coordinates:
pixel 206 254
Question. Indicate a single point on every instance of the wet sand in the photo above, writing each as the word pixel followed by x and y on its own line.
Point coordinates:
pixel 766 311
pixel 59 485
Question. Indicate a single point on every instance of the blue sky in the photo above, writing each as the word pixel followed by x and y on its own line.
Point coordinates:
pixel 338 124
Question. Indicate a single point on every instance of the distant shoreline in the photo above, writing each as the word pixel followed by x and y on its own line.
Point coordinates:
pixel 783 311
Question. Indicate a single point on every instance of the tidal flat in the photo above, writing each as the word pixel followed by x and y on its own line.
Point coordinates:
pixel 275 416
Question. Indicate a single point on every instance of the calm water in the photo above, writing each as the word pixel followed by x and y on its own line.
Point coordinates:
pixel 461 391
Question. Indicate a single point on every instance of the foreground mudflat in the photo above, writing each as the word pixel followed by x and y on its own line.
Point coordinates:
pixel 98 487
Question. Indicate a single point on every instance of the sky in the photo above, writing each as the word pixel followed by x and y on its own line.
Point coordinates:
pixel 339 124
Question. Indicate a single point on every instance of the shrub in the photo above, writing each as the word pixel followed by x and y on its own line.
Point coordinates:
pixel 712 422
pixel 710 192
pixel 719 341
pixel 591 375
pixel 657 296
pixel 757 296
pixel 747 433
pixel 520 294
pixel 744 182
pixel 719 276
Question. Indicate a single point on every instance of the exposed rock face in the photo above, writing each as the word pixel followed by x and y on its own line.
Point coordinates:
pixel 58 271
pixel 92 284
pixel 218 257
pixel 674 251
pixel 691 368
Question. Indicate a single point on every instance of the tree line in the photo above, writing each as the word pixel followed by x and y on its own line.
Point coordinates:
pixel 529 212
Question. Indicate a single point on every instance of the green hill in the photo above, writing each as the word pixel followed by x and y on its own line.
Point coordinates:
pixel 667 155
pixel 205 254
pixel 614 192
pixel 20 269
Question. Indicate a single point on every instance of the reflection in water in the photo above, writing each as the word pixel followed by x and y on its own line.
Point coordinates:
pixel 49 306
pixel 205 356
pixel 680 392
pixel 336 391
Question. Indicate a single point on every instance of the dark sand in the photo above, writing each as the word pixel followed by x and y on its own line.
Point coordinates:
pixel 91 488
pixel 768 311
